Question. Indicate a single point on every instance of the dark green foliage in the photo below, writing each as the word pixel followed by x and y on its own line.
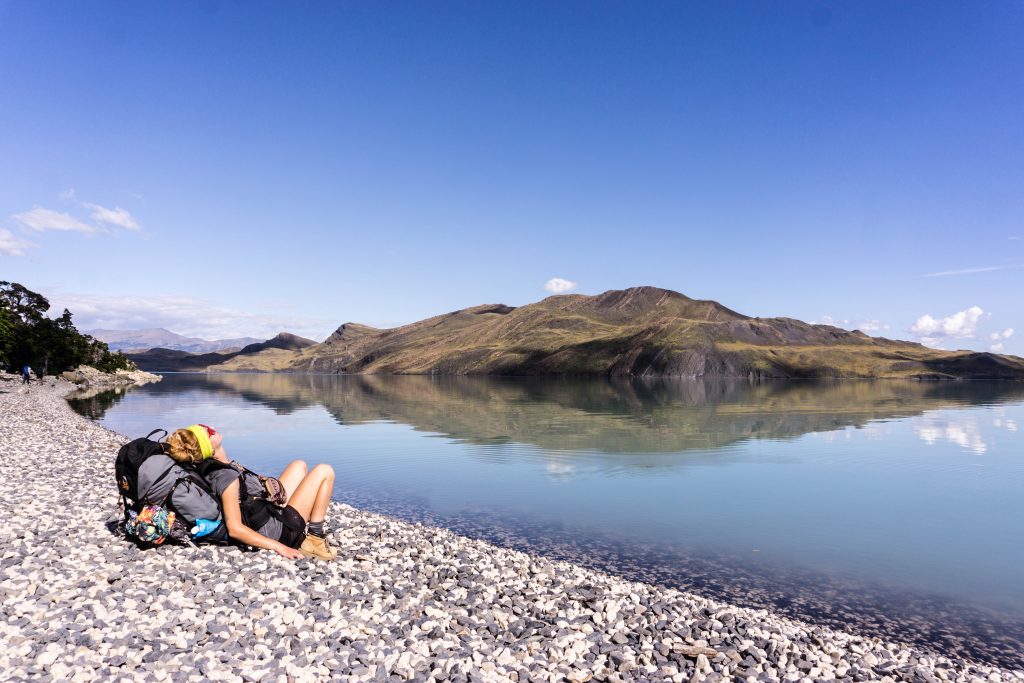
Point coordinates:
pixel 6 335
pixel 109 362
pixel 51 345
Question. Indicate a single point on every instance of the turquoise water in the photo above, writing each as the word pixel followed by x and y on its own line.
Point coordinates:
pixel 890 503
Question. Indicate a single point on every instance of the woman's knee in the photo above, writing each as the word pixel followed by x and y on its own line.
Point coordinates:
pixel 324 470
pixel 299 465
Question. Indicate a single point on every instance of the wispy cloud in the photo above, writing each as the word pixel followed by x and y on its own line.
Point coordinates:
pixel 11 244
pixel 968 271
pixel 101 219
pixel 829 320
pixel 1005 334
pixel 999 338
pixel 868 325
pixel 184 315
pixel 41 219
pixel 116 216
pixel 557 285
pixel 872 326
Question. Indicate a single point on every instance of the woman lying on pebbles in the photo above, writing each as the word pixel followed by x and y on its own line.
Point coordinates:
pixel 292 529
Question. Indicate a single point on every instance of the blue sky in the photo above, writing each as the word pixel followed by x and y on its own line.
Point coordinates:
pixel 226 169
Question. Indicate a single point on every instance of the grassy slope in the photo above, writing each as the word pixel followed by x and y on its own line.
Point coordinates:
pixel 639 331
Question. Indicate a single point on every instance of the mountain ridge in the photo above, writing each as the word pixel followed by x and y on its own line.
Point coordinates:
pixel 160 337
pixel 175 360
pixel 640 331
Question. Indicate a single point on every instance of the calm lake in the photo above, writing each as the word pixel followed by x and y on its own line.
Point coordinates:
pixel 888 508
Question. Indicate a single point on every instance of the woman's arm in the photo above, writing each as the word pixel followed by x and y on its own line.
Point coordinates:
pixel 238 530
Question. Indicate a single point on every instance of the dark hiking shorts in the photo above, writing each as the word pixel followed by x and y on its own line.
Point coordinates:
pixel 293 531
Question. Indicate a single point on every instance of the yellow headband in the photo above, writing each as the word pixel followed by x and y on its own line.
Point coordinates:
pixel 205 447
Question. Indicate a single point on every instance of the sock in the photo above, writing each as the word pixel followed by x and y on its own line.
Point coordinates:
pixel 315 528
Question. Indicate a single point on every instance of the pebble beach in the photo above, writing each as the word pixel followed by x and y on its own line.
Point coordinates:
pixel 402 601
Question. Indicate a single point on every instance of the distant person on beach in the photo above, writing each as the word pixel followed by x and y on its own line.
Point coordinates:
pixel 293 528
pixel 26 374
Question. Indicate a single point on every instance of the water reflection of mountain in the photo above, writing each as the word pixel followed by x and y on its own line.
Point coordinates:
pixel 615 416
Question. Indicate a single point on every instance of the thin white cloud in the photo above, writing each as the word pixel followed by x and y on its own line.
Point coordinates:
pixel 185 315
pixel 872 326
pixel 997 347
pixel 967 271
pixel 40 219
pixel 557 285
pixel 116 216
pixel 11 244
pixel 868 325
pixel 1005 334
pixel 829 320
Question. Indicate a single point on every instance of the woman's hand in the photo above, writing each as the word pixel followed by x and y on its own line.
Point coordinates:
pixel 290 553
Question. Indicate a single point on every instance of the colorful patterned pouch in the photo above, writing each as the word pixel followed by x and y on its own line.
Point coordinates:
pixel 152 524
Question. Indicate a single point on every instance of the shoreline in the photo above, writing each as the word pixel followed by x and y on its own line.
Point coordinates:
pixel 404 601
pixel 211 370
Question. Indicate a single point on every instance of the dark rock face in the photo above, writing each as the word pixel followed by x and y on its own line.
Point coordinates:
pixel 350 331
pixel 283 340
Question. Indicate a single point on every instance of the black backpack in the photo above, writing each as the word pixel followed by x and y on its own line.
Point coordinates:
pixel 132 456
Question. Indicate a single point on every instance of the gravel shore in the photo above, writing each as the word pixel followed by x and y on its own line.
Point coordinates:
pixel 402 602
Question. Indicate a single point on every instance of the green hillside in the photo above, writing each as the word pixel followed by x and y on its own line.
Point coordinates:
pixel 642 331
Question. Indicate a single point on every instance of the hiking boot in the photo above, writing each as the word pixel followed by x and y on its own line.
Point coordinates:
pixel 315 546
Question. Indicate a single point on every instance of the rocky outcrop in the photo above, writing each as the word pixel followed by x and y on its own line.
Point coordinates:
pixel 349 331
pixel 91 380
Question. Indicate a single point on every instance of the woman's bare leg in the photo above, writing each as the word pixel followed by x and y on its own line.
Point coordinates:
pixel 313 494
pixel 293 475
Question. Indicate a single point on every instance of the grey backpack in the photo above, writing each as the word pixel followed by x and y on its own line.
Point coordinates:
pixel 146 476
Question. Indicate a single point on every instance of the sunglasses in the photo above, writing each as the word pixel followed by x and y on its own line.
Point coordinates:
pixel 209 430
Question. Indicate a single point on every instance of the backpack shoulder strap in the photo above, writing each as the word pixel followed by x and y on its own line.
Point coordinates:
pixel 210 465
pixel 255 512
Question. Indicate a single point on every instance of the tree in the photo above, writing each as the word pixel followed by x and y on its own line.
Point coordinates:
pixel 27 336
pixel 6 335
pixel 26 306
